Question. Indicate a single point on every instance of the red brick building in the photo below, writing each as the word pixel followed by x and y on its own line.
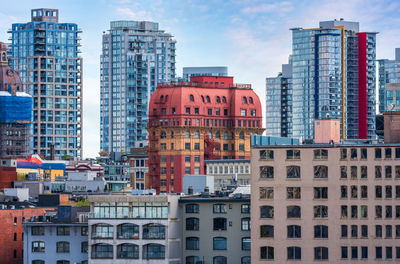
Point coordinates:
pixel 11 240
pixel 189 122
pixel 8 173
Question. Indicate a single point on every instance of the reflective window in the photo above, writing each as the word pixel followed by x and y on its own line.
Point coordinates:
pixel 153 231
pixel 153 251
pixel 127 251
pixel 102 251
pixel 219 243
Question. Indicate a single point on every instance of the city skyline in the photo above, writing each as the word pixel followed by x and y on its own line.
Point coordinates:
pixel 251 38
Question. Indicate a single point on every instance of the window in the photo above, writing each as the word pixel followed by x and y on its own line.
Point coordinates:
pixel 192 243
pixel 127 251
pixel 163 135
pixel 378 211
pixel 102 251
pixel 153 251
pixel 364 191
pixel 241 135
pixel 38 246
pixel 354 212
pixel 188 110
pixel 62 262
pixel 321 154
pixel 388 231
pixel 353 154
pixel 343 191
pixel 364 172
pixel 294 231
pixel 219 243
pixel 397 172
pixel 343 172
pixel 153 231
pixel 388 172
pixel 378 191
pixel 266 231
pixel 267 253
pixel 364 252
pixel 62 247
pixel 192 208
pixel 388 153
pixel 378 231
pixel 219 208
pixel 293 154
pixel 293 192
pixel 266 155
pixel 192 260
pixel 245 208
pixel 364 155
pixel 378 252
pixel 246 243
pixel 246 224
pixel 388 191
pixel 344 231
pixel 353 172
pixel 354 252
pixel 320 253
pixel 320 192
pixel 320 231
pixel 294 253
pixel 378 172
pixel 37 261
pixel 320 211
pixel 219 223
pixel 364 211
pixel 388 211
pixel 266 172
pixel 378 153
pixel 267 211
pixel 389 253
pixel 209 111
pixel 84 247
pixel 187 146
pixel 293 212
pixel 220 260
pixel 344 252
pixel 343 154
pixel 192 224
pixel 266 192
pixel 353 189
pixel 241 147
pixel 62 230
pixel 191 98
pixel 320 172
pixel 102 231
pixel 128 231
pixel 243 112
pixel 293 172
pixel 364 231
pixel 37 230
pixel 245 260
pixel 343 211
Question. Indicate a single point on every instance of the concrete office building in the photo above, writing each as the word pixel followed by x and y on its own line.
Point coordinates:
pixel 134 229
pixel 279 103
pixel 215 229
pixel 136 56
pixel 203 71
pixel 228 172
pixel 117 176
pixel 333 76
pixel 46 54
pixel 59 238
pixel 325 202
pixel 389 74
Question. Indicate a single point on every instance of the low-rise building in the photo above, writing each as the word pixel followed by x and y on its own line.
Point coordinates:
pixel 59 238
pixel 134 229
pixel 325 202
pixel 229 172
pixel 116 176
pixel 139 168
pixel 216 228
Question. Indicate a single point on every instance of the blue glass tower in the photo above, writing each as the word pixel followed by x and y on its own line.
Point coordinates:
pixel 46 54
pixel 389 73
pixel 136 56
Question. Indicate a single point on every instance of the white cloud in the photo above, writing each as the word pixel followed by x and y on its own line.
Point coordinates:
pixel 281 7
pixel 130 14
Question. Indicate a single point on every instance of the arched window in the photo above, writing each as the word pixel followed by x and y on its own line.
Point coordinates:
pixel 37 261
pixel 187 134
pixel 223 99
pixel 127 251
pixel 153 251
pixel 246 260
pixel 241 135
pixel 128 231
pixel 62 262
pixel 161 98
pixel 266 211
pixel 225 135
pixel 218 99
pixel 192 260
pixel 320 253
pixel 251 100
pixel 102 251
pixel 320 231
pixel 196 134
pixel 192 243
pixel 220 260
pixel 208 99
pixel 209 134
pixel 244 100
pixel 153 231
pixel 191 98
pixel 202 98
pixel 172 134
pixel 192 223
pixel 293 211
pixel 163 134
pixel 102 231
pixel 218 135
pixel 266 253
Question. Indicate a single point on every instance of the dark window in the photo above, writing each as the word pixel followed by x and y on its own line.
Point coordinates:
pixel 294 231
pixel 364 155
pixel 192 260
pixel 378 252
pixel 293 212
pixel 266 172
pixel 154 231
pixel 321 154
pixel 364 252
pixel 320 231
pixel 378 153
pixel 188 110
pixel 294 253
pixel 320 253
pixel 293 172
pixel 364 172
pixel 192 243
pixel 343 191
pixel 388 171
pixel 343 211
pixel 320 172
pixel 84 247
pixel 84 231
pixel 209 111
pixel 220 260
pixel 219 243
pixel 219 223
pixel 245 260
pixel 353 172
pixel 266 231
pixel 354 252
pixel 378 211
pixel 246 243
pixel 127 251
pixel 354 212
pixel 364 231
pixel 267 211
pixel 192 208
pixel 320 211
pixel 388 231
pixel 344 252
pixel 378 191
pixel 353 154
pixel 266 155
pixel 320 192
pixel 343 172
pixel 192 224
pixel 364 191
pixel 128 231
pixel 153 251
pixel 102 251
pixel 343 154
pixel 191 97
pixel 344 231
pixel 62 230
pixel 37 230
pixel 378 172
pixel 293 192
pixel 388 191
pixel 245 209
pixel 354 231
pixel 378 231
pixel 293 154
pixel 388 153
pixel 267 253
pixel 389 253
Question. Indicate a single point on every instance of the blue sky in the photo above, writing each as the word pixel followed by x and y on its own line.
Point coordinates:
pixel 251 37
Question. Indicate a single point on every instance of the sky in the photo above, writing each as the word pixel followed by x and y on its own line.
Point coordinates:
pixel 251 37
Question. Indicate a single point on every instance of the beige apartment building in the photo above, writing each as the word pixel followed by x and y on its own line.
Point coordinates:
pixel 325 203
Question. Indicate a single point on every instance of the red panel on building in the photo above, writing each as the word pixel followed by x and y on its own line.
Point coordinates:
pixel 11 234
pixel 7 176
pixel 362 86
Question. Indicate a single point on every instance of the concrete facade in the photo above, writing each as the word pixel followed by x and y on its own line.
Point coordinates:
pixel 326 131
pixel 330 203
pixel 226 172
pixel 134 229
pixel 215 230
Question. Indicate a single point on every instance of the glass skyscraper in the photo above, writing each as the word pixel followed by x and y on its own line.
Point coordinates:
pixel 334 77
pixel 389 72
pixel 136 56
pixel 46 54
